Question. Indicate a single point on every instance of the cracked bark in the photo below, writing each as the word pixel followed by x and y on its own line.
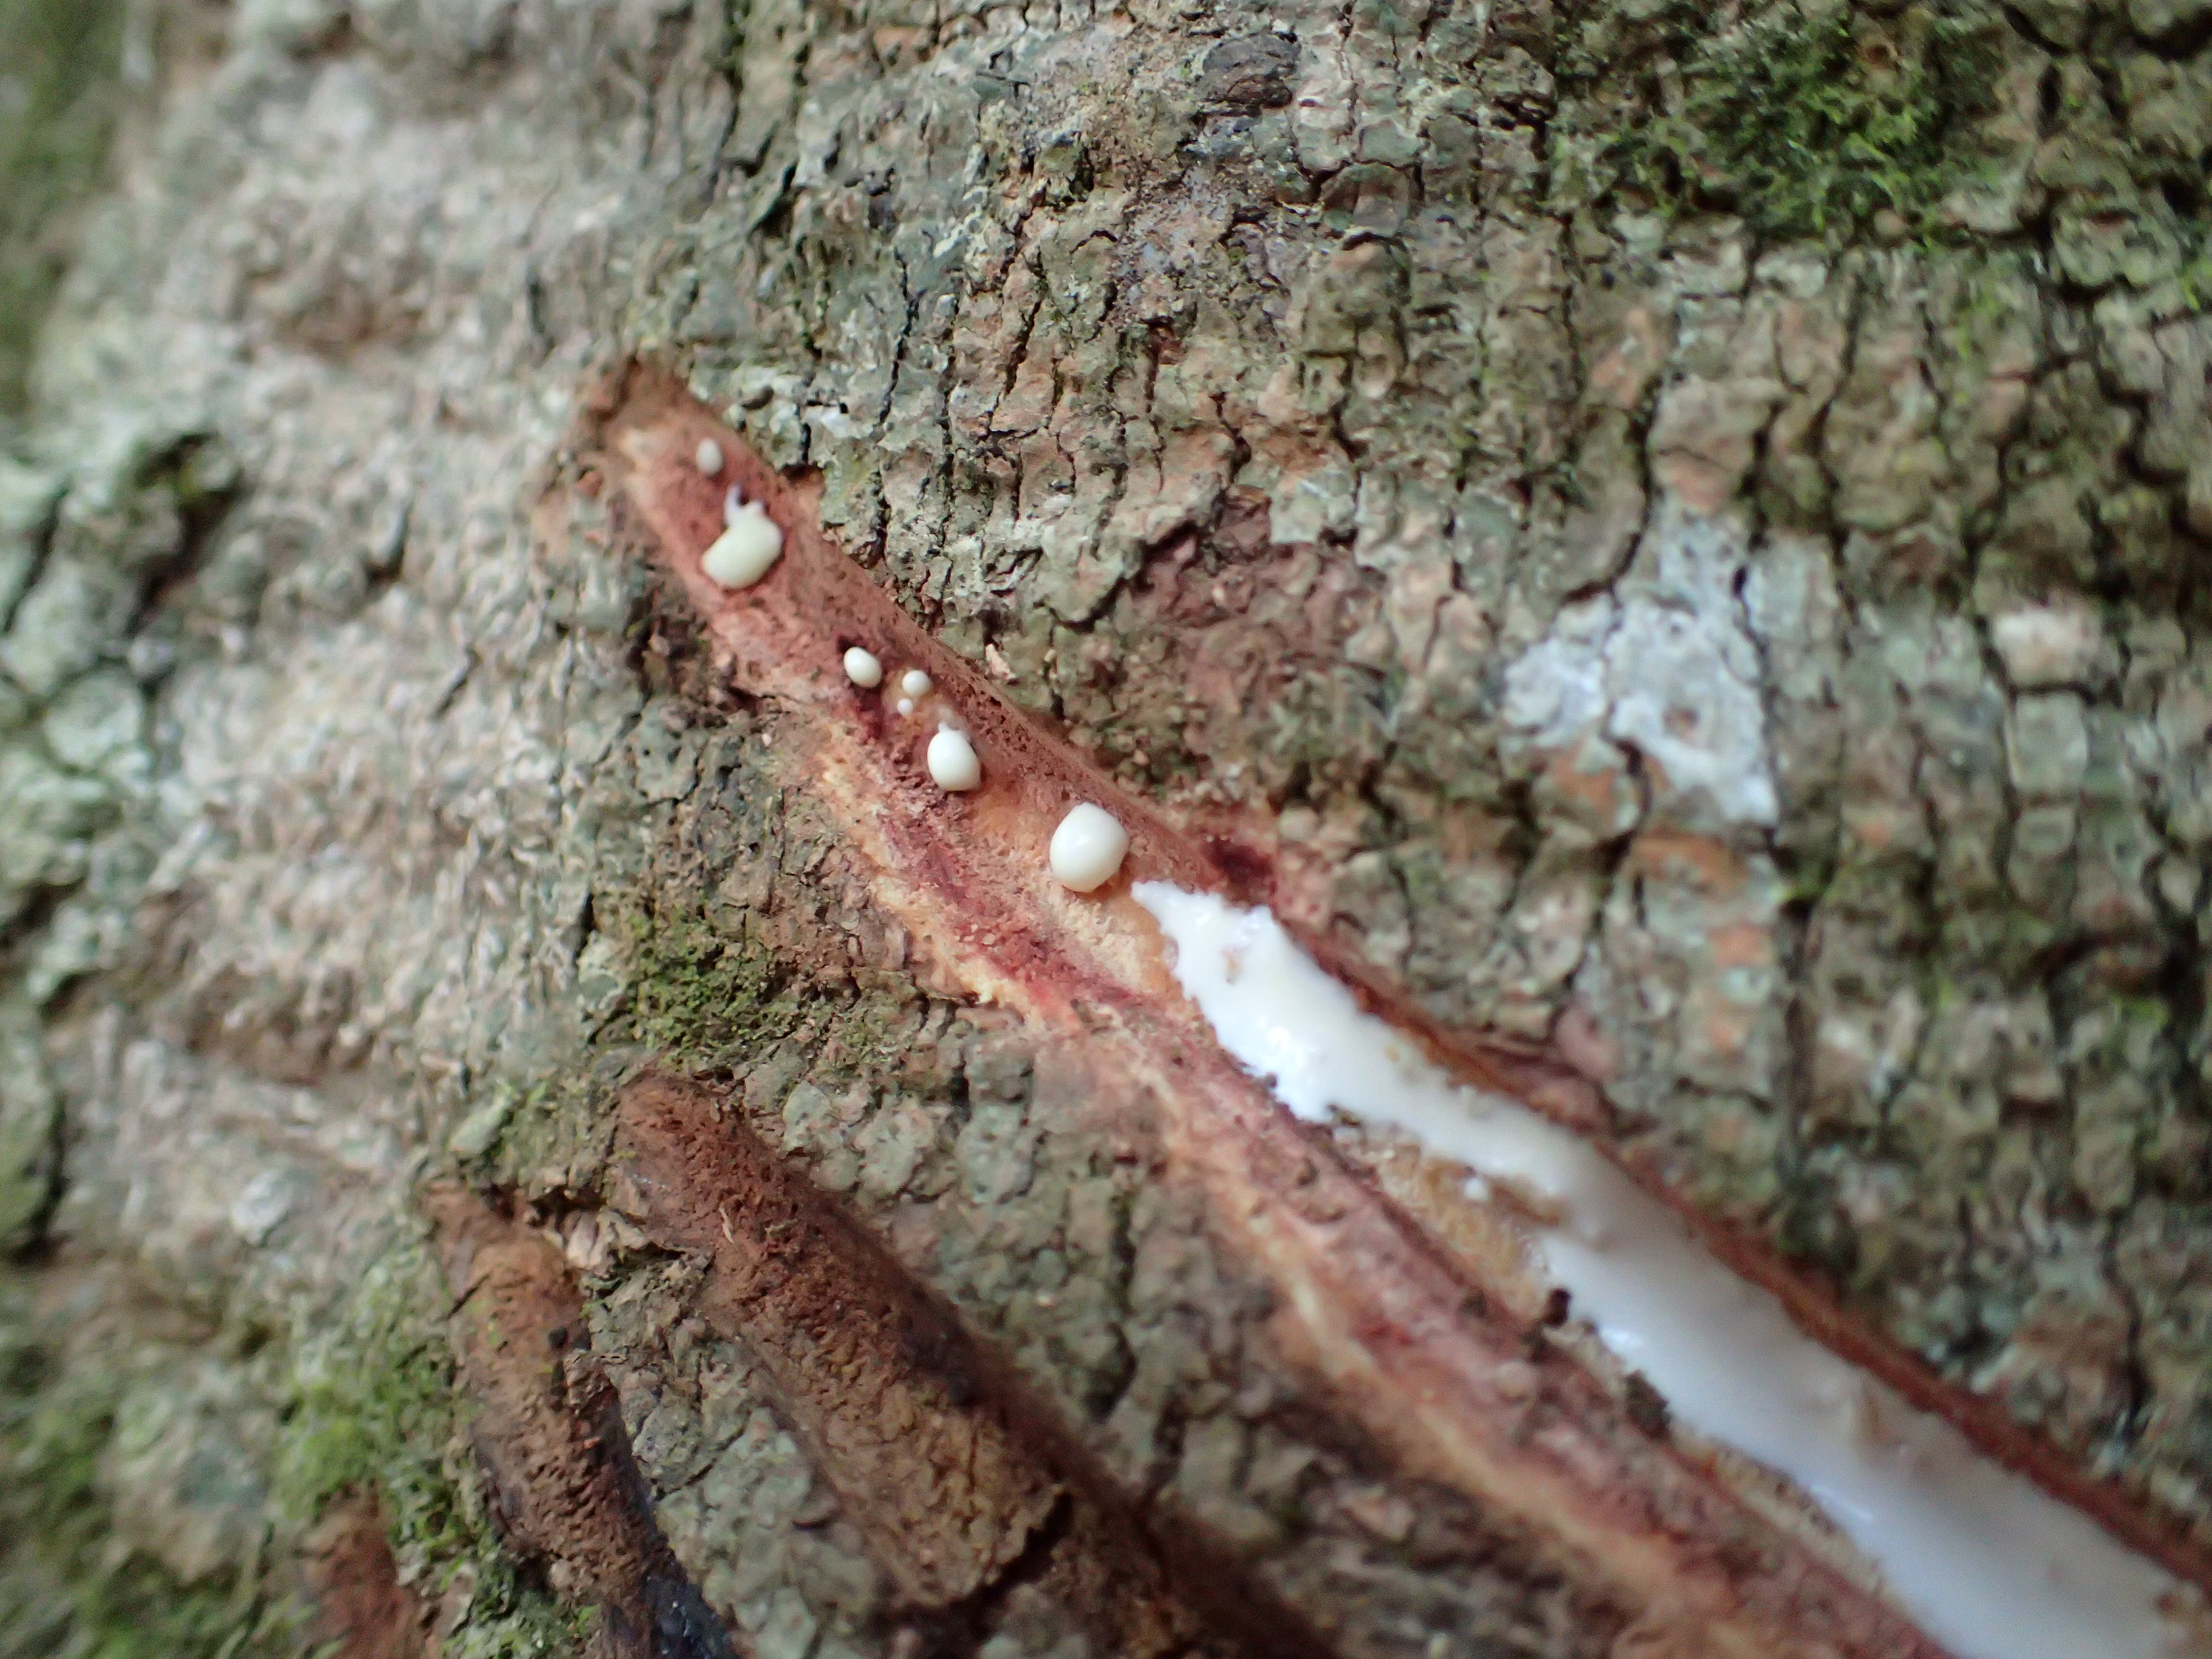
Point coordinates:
pixel 1745 679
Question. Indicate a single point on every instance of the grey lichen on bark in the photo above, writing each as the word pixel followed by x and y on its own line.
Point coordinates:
pixel 1679 532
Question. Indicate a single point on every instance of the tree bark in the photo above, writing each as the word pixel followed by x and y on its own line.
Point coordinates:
pixel 1663 542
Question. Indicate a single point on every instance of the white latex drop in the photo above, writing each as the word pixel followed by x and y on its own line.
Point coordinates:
pixel 863 668
pixel 952 762
pixel 1087 848
pixel 745 552
pixel 1988 1563
pixel 708 456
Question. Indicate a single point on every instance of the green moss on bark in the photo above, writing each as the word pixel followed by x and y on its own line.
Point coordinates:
pixel 706 999
pixel 1811 121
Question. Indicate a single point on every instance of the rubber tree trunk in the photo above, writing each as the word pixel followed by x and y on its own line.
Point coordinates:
pixel 1670 539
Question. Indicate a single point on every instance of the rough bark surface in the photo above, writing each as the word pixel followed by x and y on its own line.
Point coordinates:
pixel 1674 537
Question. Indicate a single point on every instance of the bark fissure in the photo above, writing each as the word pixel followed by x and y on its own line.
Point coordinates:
pixel 1742 678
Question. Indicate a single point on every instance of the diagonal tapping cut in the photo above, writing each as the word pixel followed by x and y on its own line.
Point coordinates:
pixel 1373 1311
pixel 959 1483
pixel 549 1435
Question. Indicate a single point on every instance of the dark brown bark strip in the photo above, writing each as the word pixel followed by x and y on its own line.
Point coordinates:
pixel 548 1431
pixel 361 1609
pixel 928 1474
pixel 951 1470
